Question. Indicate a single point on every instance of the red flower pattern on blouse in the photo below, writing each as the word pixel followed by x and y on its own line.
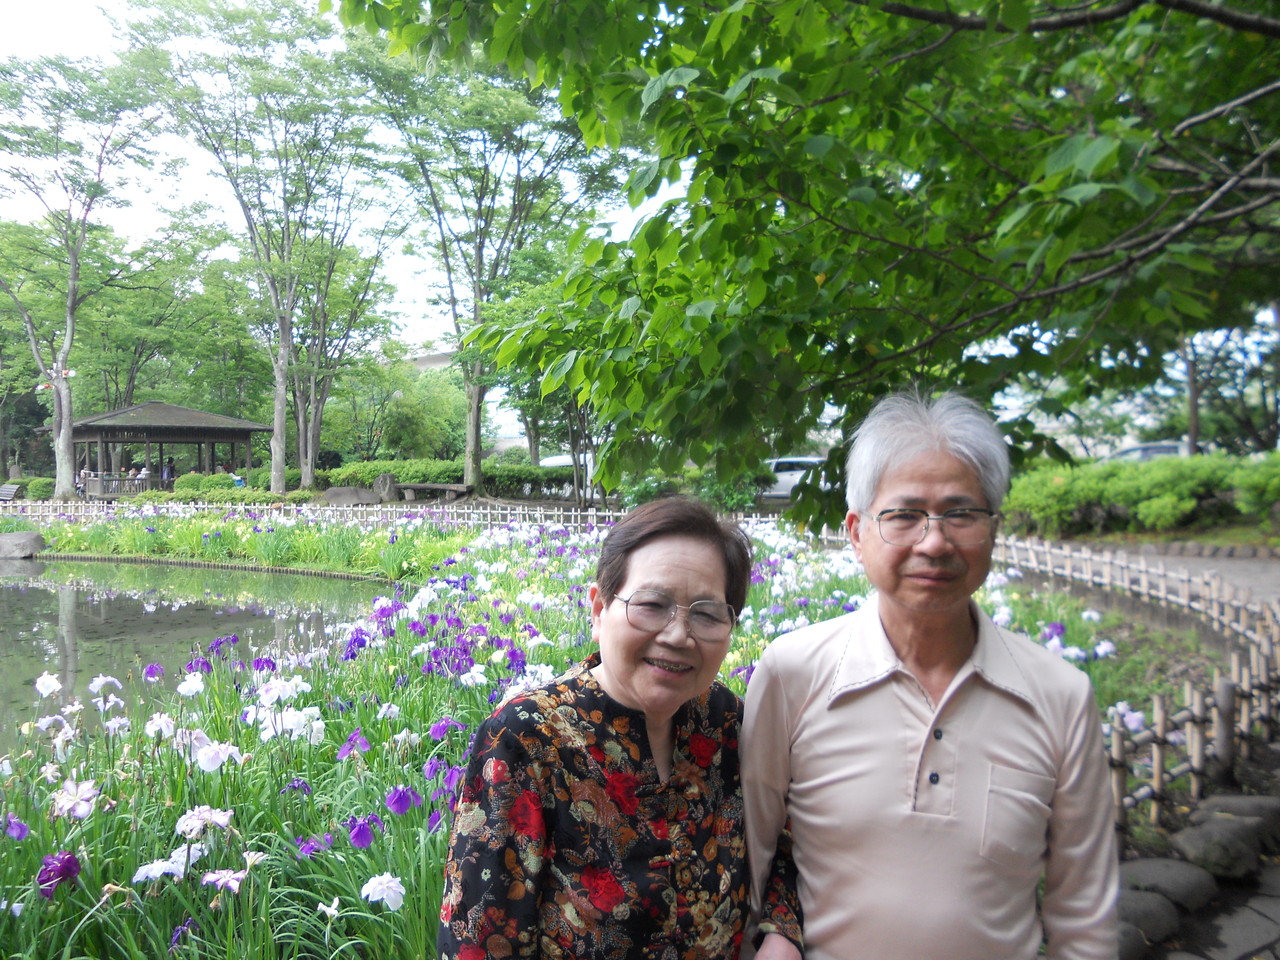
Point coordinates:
pixel 582 850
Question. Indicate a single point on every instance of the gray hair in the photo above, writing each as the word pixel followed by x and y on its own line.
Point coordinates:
pixel 905 425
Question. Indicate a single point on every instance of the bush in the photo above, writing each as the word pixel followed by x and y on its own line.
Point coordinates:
pixel 217 481
pixel 1257 488
pixel 187 483
pixel 37 488
pixel 1165 494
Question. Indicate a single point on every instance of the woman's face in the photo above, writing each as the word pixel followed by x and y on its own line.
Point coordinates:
pixel 659 672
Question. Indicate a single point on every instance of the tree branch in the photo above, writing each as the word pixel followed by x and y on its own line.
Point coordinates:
pixel 1235 19
pixel 1227 107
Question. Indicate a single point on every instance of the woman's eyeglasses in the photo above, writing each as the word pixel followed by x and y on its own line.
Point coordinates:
pixel 708 620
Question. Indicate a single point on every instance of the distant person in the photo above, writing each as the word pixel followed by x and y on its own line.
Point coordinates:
pixel 933 767
pixel 145 471
pixel 167 471
pixel 133 473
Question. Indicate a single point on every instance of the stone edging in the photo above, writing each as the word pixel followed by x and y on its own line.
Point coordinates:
pixel 1229 835
pixel 1190 548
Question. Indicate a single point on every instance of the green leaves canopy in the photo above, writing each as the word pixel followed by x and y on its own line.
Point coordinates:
pixel 883 193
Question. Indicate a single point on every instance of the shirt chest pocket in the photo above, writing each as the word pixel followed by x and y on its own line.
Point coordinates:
pixel 1016 824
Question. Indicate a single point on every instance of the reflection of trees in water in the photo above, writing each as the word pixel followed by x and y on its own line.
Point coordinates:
pixel 76 625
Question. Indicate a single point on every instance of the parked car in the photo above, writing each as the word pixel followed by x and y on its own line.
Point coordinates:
pixel 788 470
pixel 1149 451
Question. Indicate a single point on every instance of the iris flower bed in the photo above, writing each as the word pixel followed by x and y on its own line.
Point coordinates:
pixel 295 802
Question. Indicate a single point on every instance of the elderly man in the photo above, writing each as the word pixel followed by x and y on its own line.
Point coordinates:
pixel 931 767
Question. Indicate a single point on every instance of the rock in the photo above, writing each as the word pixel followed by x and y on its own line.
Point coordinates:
pixel 1266 809
pixel 21 545
pixel 1187 886
pixel 384 485
pixel 1151 913
pixel 350 496
pixel 1225 846
pixel 15 471
pixel 1133 945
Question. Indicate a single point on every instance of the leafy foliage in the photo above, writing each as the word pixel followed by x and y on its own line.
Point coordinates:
pixel 1165 494
pixel 881 194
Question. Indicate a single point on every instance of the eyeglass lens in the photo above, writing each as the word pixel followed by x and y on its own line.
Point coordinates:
pixel 905 528
pixel 651 610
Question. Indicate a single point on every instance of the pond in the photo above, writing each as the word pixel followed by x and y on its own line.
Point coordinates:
pixel 76 620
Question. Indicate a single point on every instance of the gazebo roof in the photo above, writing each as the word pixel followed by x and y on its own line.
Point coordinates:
pixel 163 422
pixel 155 413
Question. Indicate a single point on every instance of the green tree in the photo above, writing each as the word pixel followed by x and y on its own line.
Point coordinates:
pixel 874 192
pixel 266 95
pixel 495 170
pixel 72 135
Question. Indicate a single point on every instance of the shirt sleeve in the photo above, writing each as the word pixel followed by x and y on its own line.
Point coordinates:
pixel 1081 875
pixel 498 851
pixel 766 777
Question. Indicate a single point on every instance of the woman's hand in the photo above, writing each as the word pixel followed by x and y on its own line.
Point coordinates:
pixel 777 947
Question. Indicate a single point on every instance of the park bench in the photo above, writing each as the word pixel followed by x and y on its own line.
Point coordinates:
pixel 9 491
pixel 388 489
pixel 451 491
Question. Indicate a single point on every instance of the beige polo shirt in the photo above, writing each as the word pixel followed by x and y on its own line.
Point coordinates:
pixel 921 830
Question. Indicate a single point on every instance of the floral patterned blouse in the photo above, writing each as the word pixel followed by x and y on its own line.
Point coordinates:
pixel 567 844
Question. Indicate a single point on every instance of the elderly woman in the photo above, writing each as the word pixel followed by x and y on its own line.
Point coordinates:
pixel 601 815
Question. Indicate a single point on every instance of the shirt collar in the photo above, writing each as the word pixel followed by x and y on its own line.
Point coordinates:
pixel 868 657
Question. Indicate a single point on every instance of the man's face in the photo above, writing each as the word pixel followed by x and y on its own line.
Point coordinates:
pixel 934 578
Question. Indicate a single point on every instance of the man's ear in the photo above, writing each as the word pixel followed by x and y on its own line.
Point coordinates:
pixel 853 526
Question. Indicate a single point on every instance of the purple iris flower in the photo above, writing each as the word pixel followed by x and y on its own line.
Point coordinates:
pixel 216 645
pixel 453 778
pixel 60 867
pixel 417 626
pixel 440 728
pixel 401 798
pixel 185 927
pixel 152 672
pixel 199 663
pixel 356 741
pixel 361 829
pixel 309 847
pixel 264 663
pixel 1053 631
pixel 15 828
pixel 297 783
pixel 433 821
pixel 744 672
pixel 358 640
pixel 432 767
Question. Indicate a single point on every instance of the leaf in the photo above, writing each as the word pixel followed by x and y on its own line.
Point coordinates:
pixel 1081 193
pixel 1095 153
pixel 703 308
pixel 554 378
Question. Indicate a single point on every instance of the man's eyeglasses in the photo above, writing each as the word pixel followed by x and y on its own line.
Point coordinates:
pixel 963 526
pixel 708 620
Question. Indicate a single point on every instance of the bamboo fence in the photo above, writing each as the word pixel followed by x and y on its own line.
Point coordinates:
pixel 1199 739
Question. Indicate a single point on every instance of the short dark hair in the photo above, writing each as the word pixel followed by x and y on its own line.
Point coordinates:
pixel 676 517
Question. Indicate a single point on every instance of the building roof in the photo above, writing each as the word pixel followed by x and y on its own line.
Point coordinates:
pixel 164 422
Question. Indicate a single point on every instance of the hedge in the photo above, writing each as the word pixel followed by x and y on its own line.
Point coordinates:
pixel 1165 494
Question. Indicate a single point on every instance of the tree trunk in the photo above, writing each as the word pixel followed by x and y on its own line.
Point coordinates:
pixel 1193 401
pixel 475 417
pixel 280 413
pixel 64 484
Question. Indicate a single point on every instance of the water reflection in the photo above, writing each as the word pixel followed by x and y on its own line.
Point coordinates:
pixel 77 620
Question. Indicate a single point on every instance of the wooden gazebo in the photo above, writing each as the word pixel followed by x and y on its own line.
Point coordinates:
pixel 152 425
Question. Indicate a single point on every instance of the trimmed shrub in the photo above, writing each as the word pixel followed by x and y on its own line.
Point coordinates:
pixel 187 483
pixel 217 481
pixel 37 488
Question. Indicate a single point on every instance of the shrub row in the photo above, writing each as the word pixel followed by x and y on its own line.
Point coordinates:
pixel 1166 494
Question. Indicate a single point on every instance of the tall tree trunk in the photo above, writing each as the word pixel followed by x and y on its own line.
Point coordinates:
pixel 1193 398
pixel 475 417
pixel 280 412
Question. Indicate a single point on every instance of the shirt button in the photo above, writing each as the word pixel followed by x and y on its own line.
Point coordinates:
pixel 937 734
pixel 934 778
